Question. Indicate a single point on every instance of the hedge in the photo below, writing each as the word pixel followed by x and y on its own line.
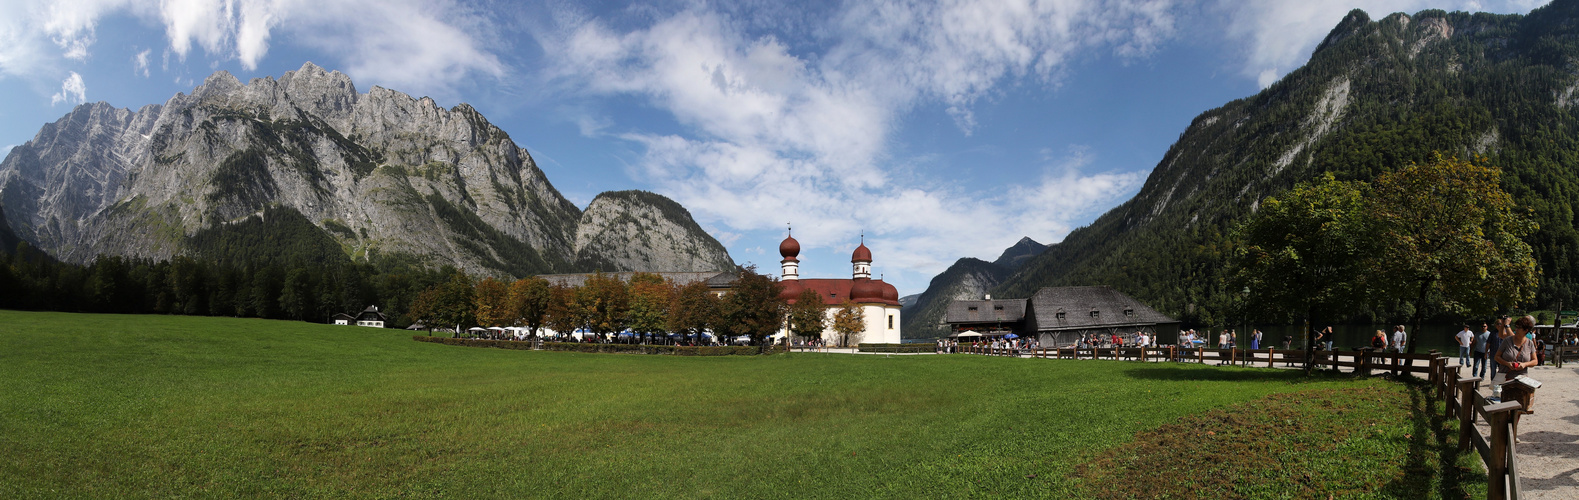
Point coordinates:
pixel 898 348
pixel 675 350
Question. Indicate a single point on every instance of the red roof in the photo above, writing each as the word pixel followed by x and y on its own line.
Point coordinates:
pixel 862 254
pixel 789 249
pixel 834 291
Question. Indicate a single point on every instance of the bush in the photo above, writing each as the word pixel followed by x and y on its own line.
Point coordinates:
pixel 898 348
pixel 610 348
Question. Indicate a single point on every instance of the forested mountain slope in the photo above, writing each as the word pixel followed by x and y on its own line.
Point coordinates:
pixel 1376 94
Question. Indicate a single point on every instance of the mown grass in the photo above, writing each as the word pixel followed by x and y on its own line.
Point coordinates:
pixel 157 406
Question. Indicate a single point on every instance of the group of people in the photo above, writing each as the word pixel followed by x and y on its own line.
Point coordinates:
pixel 1228 339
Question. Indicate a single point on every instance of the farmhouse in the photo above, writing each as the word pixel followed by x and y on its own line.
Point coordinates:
pixel 371 317
pixel 342 318
pixel 1060 315
pixel 878 301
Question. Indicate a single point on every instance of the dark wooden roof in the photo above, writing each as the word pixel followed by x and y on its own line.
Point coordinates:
pixel 714 279
pixel 1090 307
pixel 371 314
pixel 343 316
pixel 986 311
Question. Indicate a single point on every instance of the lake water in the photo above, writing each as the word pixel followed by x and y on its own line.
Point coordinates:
pixel 1439 337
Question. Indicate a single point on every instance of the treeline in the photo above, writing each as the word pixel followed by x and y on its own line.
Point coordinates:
pixel 648 307
pixel 299 290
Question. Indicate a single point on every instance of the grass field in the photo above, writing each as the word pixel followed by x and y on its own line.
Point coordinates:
pixel 160 406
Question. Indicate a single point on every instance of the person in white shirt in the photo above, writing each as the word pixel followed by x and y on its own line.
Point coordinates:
pixel 1466 340
pixel 1399 338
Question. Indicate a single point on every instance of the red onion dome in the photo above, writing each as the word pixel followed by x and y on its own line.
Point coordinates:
pixel 862 254
pixel 890 293
pixel 789 249
pixel 865 290
pixel 791 291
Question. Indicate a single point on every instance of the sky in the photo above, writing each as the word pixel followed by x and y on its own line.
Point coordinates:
pixel 933 130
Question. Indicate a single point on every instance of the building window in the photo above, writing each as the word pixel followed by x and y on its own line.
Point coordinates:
pixel 890 322
pixel 1096 314
pixel 1059 315
pixel 972 308
pixel 1129 313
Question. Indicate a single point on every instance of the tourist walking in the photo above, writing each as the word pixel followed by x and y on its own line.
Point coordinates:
pixel 1517 356
pixel 1479 348
pixel 1493 346
pixel 1466 341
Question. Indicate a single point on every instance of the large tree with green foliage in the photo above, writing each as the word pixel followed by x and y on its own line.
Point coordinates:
pixel 1305 252
pixel 493 303
pixel 565 313
pixel 1451 238
pixel 450 304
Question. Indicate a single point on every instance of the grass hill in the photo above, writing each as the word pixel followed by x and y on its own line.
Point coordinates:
pixel 1377 94
pixel 119 406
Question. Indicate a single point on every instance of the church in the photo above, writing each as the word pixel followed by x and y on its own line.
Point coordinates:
pixel 877 300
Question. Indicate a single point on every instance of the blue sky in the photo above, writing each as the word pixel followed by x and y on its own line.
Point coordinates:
pixel 940 130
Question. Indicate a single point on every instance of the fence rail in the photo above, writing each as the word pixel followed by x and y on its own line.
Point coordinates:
pixel 1460 397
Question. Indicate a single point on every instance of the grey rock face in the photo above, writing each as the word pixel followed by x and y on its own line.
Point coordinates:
pixel 381 172
pixel 641 230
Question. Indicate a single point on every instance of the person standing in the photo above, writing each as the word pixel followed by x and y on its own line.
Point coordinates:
pixel 1517 356
pixel 1466 341
pixel 1324 339
pixel 1255 339
pixel 1479 346
pixel 1399 338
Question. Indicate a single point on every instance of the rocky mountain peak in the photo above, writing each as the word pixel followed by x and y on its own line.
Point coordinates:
pixel 382 173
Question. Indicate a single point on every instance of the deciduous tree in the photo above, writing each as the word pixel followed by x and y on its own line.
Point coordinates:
pixel 493 303
pixel 694 310
pixel 850 322
pixel 752 307
pixel 1451 238
pixel 650 297
pixel 807 316
pixel 529 299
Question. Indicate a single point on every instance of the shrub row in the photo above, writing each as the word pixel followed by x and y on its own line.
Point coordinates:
pixel 897 348
pixel 675 350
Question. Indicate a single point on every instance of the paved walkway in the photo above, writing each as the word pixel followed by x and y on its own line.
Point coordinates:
pixel 1549 447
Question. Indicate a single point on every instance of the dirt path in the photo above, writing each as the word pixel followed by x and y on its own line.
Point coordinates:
pixel 1549 451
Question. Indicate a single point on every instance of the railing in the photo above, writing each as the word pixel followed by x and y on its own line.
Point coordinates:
pixel 1562 353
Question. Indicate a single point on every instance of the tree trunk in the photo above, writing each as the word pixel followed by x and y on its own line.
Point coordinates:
pixel 1310 342
pixel 1414 327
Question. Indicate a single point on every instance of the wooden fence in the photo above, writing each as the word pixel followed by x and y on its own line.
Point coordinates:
pixel 1461 397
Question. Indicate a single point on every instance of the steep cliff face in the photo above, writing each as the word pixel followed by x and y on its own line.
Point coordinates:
pixel 1376 95
pixel 638 230
pixel 382 172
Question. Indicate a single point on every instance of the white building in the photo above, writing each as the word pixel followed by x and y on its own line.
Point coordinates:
pixel 878 301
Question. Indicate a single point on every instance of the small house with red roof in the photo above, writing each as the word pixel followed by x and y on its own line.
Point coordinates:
pixel 878 300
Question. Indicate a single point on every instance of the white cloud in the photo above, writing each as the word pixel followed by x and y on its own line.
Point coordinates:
pixel 72 91
pixel 1279 36
pixel 418 46
pixel 140 62
pixel 775 135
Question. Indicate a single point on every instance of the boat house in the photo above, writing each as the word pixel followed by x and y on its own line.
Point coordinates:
pixel 1058 316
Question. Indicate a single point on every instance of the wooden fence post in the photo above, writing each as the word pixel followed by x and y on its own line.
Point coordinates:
pixel 1466 411
pixel 1497 463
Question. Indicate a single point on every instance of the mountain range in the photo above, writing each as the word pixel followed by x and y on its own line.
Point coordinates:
pixel 1376 94
pixel 381 174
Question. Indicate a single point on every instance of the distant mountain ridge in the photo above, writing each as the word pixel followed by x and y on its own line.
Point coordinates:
pixel 1375 95
pixel 379 173
pixel 967 278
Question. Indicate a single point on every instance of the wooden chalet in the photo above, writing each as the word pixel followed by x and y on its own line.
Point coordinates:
pixel 1058 316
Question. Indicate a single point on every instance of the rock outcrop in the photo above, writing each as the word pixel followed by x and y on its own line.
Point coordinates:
pixel 382 172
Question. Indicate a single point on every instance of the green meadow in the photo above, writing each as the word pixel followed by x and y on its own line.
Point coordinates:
pixel 165 406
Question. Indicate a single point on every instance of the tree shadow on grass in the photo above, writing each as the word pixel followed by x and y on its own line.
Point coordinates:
pixel 1209 373
pixel 1432 465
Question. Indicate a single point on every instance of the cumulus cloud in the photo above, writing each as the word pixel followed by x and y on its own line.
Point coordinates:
pixel 72 91
pixel 1278 37
pixel 775 134
pixel 419 46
